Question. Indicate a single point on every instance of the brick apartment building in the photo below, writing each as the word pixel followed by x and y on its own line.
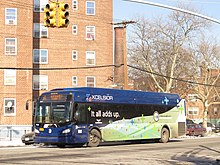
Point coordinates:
pixel 87 42
pixel 25 43
pixel 195 108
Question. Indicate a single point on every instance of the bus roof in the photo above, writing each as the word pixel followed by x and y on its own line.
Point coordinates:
pixel 88 94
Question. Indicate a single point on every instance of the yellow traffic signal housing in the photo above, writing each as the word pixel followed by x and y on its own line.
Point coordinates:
pixel 63 15
pixel 50 15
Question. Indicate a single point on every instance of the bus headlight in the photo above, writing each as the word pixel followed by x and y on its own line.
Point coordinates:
pixel 36 131
pixel 68 130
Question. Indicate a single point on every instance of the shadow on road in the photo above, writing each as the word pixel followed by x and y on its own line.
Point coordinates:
pixel 196 156
pixel 211 149
pixel 120 143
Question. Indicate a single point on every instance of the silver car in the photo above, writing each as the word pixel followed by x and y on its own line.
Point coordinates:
pixel 28 138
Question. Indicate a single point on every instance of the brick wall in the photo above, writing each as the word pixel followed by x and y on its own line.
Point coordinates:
pixel 22 91
pixel 60 43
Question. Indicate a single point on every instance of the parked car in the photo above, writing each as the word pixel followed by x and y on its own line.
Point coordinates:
pixel 217 129
pixel 210 127
pixel 195 130
pixel 189 121
pixel 28 138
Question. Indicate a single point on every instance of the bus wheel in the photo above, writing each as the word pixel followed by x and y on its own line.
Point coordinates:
pixel 94 138
pixel 165 135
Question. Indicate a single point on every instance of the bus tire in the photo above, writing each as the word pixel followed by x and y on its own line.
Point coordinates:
pixel 94 138
pixel 165 135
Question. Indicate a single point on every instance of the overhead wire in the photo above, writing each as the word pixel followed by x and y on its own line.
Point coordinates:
pixel 178 79
pixel 110 65
pixel 30 6
pixel 75 14
pixel 63 68
pixel 196 1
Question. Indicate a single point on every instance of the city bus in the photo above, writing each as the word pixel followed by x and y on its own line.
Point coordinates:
pixel 85 115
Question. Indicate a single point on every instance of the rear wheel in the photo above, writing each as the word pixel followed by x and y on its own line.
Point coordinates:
pixel 94 138
pixel 165 135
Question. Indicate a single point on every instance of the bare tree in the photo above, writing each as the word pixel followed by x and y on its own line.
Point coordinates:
pixel 171 54
pixel 207 74
pixel 160 47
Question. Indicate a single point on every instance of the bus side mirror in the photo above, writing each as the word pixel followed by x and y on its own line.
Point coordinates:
pixel 27 105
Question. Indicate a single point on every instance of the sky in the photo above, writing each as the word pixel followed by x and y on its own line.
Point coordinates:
pixel 125 10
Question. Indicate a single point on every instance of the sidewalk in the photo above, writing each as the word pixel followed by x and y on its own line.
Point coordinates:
pixel 13 143
pixel 17 142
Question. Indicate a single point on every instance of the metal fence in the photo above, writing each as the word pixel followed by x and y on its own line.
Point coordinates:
pixel 10 132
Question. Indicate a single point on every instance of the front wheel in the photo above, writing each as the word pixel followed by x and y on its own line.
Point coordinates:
pixel 94 138
pixel 165 135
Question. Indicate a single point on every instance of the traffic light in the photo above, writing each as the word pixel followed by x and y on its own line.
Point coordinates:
pixel 50 15
pixel 63 15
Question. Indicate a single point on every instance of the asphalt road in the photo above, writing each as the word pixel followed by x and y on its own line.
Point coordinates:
pixel 202 151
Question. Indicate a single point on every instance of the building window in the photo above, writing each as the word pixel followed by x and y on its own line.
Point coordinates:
pixel 90 32
pixel 10 46
pixel 74 81
pixel 39 5
pixel 40 82
pixel 90 58
pixel 9 106
pixel 11 16
pixel 193 110
pixel 90 81
pixel 215 111
pixel 40 56
pixel 40 31
pixel 74 55
pixel 75 5
pixel 74 29
pixel 9 77
pixel 90 8
pixel 192 97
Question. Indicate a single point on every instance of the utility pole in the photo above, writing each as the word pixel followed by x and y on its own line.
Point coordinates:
pixel 125 67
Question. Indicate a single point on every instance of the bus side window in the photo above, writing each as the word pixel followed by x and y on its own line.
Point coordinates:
pixel 75 112
pixel 80 113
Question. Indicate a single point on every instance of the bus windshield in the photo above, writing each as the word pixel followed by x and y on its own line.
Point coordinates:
pixel 53 113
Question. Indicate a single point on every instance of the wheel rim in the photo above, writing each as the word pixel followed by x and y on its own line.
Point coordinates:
pixel 164 135
pixel 94 138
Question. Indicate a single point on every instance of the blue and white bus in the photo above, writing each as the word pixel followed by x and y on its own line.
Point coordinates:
pixel 84 115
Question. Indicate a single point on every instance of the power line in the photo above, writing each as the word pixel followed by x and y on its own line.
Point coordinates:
pixel 175 9
pixel 110 65
pixel 30 6
pixel 178 79
pixel 67 68
pixel 192 1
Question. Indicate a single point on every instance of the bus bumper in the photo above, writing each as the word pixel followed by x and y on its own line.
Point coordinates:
pixel 54 140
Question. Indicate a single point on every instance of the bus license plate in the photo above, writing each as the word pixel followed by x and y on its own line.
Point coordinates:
pixel 41 129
